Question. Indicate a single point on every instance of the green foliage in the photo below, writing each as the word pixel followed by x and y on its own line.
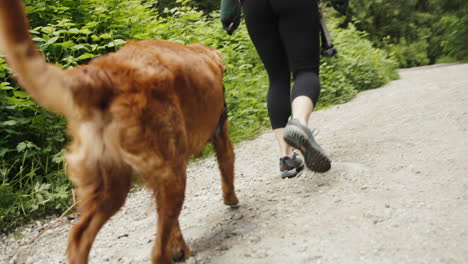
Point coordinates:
pixel 70 33
pixel 455 41
pixel 32 181
pixel 363 65
pixel 207 6
pixel 418 32
pixel 410 55
pixel 357 66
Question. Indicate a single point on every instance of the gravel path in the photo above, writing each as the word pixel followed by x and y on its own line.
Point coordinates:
pixel 397 191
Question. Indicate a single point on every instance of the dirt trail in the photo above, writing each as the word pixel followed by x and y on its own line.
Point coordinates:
pixel 397 191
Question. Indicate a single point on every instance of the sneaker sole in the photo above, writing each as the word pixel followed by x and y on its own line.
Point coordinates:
pixel 315 159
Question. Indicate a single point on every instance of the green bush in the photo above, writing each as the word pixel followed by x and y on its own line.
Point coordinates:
pixel 70 33
pixel 357 66
pixel 31 168
pixel 455 42
pixel 412 54
pixel 416 29
pixel 363 65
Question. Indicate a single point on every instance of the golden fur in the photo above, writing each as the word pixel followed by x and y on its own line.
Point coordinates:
pixel 144 109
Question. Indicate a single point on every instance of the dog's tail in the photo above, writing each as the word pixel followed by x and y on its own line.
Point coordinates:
pixel 46 83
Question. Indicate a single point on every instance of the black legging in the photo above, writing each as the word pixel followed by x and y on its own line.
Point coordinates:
pixel 286 36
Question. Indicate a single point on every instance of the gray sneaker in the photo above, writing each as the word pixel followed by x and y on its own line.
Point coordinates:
pixel 300 137
pixel 290 166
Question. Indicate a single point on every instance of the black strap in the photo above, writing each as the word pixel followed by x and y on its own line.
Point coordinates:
pixel 222 118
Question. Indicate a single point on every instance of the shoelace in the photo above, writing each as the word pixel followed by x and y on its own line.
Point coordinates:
pixel 294 154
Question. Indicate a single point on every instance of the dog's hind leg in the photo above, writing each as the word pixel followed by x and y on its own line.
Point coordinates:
pixel 102 189
pixel 169 190
pixel 225 155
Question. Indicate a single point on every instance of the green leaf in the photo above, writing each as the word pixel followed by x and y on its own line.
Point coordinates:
pixel 10 123
pixel 86 56
pixel 18 102
pixel 78 47
pixel 52 40
pixel 67 44
pixel 21 147
pixel 58 157
pixel 105 36
pixel 73 30
pixel 38 39
pixel 26 145
pixel 3 151
pixel 21 94
pixel 5 86
pixel 40 188
pixel 119 42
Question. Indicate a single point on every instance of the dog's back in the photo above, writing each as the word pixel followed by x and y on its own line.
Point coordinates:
pixel 152 91
pixel 150 96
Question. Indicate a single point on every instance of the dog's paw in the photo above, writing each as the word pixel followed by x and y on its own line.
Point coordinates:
pixel 160 259
pixel 180 255
pixel 230 199
pixel 178 249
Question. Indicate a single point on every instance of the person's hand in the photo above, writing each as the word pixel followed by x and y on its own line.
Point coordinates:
pixel 230 15
pixel 340 6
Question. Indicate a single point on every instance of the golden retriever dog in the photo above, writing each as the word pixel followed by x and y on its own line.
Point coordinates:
pixel 143 110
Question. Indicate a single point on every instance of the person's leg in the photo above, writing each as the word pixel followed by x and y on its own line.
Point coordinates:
pixel 285 149
pixel 262 24
pixel 302 108
pixel 263 30
pixel 299 28
pixel 306 92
